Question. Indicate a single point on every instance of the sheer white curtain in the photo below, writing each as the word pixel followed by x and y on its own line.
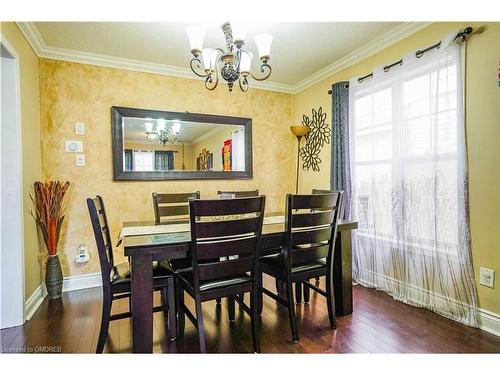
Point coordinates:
pixel 409 183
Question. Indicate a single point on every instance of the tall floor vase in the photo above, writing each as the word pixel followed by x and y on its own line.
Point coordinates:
pixel 54 277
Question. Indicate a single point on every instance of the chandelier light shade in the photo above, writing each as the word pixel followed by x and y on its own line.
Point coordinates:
pixel 233 63
pixel 163 134
pixel 161 124
pixel 245 63
pixel 196 35
pixel 206 56
pixel 149 127
pixel 176 127
pixel 263 42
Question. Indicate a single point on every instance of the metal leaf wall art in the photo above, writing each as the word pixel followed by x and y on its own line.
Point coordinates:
pixel 319 134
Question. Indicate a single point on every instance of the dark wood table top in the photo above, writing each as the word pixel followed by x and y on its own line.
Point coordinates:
pixel 183 238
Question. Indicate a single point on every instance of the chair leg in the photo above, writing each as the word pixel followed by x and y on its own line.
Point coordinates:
pixel 172 317
pixel 106 313
pixel 255 321
pixel 259 294
pixel 291 312
pixel 307 292
pixel 242 297
pixel 280 287
pixel 201 328
pixel 181 315
pixel 164 304
pixel 330 300
pixel 298 292
pixel 164 298
pixel 231 308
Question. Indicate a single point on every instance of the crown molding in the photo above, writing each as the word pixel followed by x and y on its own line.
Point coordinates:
pixel 41 48
pixel 376 45
pixel 33 36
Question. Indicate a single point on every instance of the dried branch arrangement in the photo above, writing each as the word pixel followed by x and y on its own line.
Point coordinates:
pixel 49 210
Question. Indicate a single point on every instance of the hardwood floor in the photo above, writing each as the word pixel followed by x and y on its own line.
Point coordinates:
pixel 379 324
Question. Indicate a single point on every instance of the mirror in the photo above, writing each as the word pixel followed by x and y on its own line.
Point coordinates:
pixel 160 145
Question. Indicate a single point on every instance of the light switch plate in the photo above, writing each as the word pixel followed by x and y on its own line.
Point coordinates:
pixel 486 277
pixel 74 146
pixel 79 128
pixel 80 160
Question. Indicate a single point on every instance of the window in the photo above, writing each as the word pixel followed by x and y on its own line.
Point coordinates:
pixel 143 160
pixel 404 156
pixel 409 183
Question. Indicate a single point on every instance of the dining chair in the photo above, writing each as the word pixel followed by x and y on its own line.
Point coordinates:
pixel 116 279
pixel 172 205
pixel 300 286
pixel 311 228
pixel 238 193
pixel 342 202
pixel 225 253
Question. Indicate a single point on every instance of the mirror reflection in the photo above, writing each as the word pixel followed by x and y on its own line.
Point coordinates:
pixel 159 145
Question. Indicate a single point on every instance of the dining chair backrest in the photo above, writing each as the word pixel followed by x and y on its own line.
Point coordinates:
pixel 323 191
pixel 238 194
pixel 342 202
pixel 311 226
pixel 172 205
pixel 225 236
pixel 102 236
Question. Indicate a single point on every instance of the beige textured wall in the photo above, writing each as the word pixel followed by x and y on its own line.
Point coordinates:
pixel 483 135
pixel 71 92
pixel 30 135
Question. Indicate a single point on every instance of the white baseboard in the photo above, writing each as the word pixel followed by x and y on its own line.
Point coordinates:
pixel 489 321
pixel 34 301
pixel 90 280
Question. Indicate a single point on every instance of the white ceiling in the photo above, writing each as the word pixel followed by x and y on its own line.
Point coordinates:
pixel 298 50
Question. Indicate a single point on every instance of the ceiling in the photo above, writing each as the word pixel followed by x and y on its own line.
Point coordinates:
pixel 299 50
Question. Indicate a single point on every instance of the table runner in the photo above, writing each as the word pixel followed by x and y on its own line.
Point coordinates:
pixel 144 230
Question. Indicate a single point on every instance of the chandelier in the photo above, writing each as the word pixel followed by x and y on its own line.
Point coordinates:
pixel 162 134
pixel 232 64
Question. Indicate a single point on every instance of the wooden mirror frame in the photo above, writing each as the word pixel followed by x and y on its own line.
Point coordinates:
pixel 119 174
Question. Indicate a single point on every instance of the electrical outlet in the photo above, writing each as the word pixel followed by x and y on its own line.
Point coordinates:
pixel 486 277
pixel 80 160
pixel 80 128
pixel 83 255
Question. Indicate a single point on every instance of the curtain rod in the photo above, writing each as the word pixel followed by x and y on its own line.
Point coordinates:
pixel 461 34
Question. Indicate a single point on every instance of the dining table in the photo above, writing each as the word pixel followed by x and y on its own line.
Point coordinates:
pixel 144 242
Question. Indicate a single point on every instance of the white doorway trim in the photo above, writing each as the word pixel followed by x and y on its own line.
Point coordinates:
pixel 12 304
